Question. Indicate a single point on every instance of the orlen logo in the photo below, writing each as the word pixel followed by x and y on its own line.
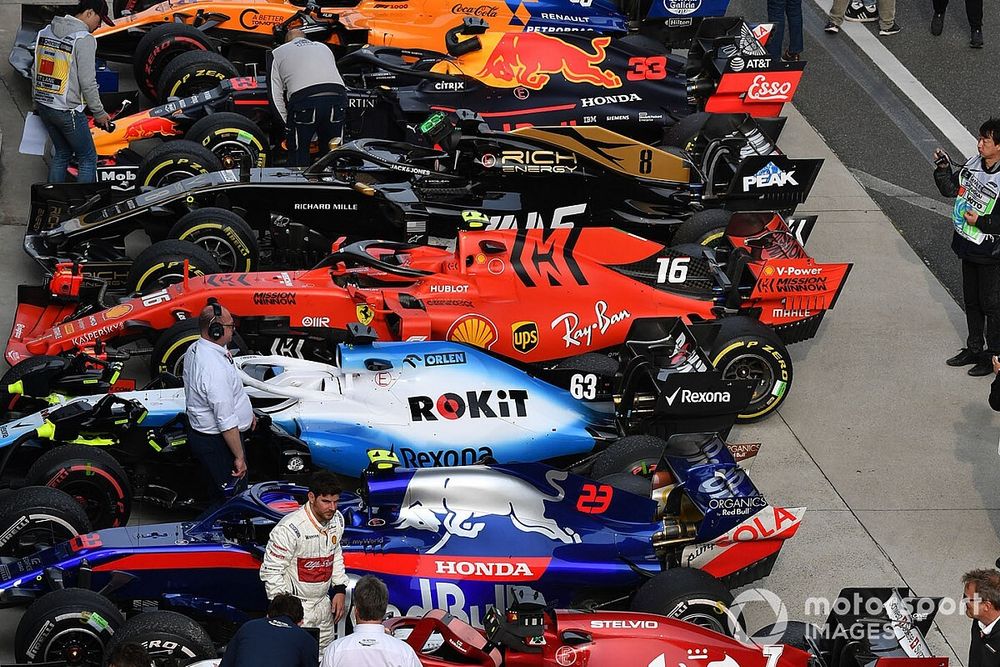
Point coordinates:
pixel 475 403
pixel 762 90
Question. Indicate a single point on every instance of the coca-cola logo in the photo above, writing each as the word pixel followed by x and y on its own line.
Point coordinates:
pixel 762 90
pixel 482 11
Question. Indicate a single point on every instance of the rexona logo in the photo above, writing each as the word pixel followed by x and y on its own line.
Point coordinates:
pixel 687 396
pixel 609 99
pixel 524 336
pixel 770 177
pixel 624 625
pixel 475 404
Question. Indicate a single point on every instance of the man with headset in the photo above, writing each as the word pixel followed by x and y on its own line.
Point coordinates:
pixel 218 408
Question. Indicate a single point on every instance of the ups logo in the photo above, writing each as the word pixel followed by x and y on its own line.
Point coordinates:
pixel 524 336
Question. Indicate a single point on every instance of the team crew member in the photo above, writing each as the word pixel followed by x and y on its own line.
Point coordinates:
pixel 305 74
pixel 369 645
pixel 218 408
pixel 275 641
pixel 64 77
pixel 982 605
pixel 976 241
pixel 304 558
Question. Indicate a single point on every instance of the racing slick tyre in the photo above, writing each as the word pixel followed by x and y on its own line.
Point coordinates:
pixel 747 349
pixel 169 638
pixel 92 477
pixel 69 626
pixel 36 517
pixel 589 362
pixel 798 634
pixel 682 133
pixel 690 595
pixel 192 73
pixel 162 264
pixel 225 236
pixel 173 161
pixel 231 137
pixel 633 455
pixel 168 351
pixel 20 370
pixel 161 45
pixel 705 228
pixel 623 481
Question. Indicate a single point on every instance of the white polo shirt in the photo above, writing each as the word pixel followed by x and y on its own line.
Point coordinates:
pixel 369 646
pixel 214 394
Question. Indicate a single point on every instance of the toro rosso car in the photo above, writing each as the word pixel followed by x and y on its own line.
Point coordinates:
pixel 432 403
pixel 534 296
pixel 531 177
pixel 448 538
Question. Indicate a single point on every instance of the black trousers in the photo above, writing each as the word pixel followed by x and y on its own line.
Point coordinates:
pixel 973 10
pixel 216 461
pixel 981 293
pixel 321 115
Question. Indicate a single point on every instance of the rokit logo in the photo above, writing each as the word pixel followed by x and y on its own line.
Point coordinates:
pixel 477 404
pixel 770 176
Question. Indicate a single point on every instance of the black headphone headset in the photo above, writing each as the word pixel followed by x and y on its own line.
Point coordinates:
pixel 216 329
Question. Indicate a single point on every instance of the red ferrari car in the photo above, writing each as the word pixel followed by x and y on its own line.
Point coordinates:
pixel 535 296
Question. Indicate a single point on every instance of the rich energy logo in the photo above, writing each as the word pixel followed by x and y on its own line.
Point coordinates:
pixel 477 404
pixel 769 176
pixel 531 162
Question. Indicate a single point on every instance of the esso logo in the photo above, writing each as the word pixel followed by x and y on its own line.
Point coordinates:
pixel 762 90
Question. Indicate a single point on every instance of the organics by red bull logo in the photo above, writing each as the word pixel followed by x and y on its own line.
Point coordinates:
pixel 144 128
pixel 529 59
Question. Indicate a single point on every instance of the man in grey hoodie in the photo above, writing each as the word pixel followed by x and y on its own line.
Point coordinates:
pixel 64 78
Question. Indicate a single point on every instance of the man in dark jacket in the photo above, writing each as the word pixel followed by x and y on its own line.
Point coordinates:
pixel 976 241
pixel 982 605
pixel 275 641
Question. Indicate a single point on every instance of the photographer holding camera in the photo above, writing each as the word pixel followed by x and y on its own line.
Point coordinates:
pixel 976 241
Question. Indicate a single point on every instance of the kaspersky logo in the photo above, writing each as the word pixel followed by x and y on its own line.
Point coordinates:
pixel 688 397
pixel 768 177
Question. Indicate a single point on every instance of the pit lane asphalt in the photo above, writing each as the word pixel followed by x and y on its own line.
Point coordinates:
pixel 893 453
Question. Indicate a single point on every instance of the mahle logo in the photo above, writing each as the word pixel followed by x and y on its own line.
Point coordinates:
pixel 524 336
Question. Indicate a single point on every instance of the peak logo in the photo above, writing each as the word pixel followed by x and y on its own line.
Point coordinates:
pixel 477 404
pixel 768 177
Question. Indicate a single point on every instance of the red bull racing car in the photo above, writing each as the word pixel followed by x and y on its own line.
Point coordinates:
pixel 532 295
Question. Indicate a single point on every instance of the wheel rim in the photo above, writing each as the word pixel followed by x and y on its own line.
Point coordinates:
pixel 751 367
pixel 706 620
pixel 37 537
pixel 222 251
pixel 164 278
pixel 644 467
pixel 91 497
pixel 233 151
pixel 173 176
pixel 75 646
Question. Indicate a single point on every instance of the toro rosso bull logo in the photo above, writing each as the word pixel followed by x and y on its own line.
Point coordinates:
pixel 476 404
pixel 528 59
pixel 426 504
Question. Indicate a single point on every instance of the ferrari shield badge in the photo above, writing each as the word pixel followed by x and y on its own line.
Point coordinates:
pixel 365 314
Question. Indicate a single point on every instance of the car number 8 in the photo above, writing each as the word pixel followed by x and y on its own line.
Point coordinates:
pixel 583 387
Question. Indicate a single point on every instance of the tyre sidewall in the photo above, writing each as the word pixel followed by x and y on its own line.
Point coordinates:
pixel 109 492
pixel 775 358
pixel 224 231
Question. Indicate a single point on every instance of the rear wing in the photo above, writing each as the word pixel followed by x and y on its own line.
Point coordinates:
pixel 769 182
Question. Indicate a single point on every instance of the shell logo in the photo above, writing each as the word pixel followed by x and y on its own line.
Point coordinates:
pixel 121 310
pixel 768 270
pixel 473 330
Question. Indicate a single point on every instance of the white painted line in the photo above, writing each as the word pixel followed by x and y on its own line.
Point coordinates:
pixel 893 190
pixel 943 119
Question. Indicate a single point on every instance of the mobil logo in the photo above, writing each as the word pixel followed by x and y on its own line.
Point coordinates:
pixel 529 59
pixel 485 404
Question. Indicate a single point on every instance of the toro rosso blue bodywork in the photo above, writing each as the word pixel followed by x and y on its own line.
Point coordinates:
pixel 450 538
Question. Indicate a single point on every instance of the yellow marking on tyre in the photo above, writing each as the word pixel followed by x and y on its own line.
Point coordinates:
pixel 170 350
pixel 143 277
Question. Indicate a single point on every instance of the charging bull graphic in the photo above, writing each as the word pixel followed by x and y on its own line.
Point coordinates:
pixel 426 504
pixel 527 59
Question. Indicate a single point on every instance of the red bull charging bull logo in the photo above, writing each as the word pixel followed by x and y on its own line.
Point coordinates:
pixel 145 128
pixel 528 59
